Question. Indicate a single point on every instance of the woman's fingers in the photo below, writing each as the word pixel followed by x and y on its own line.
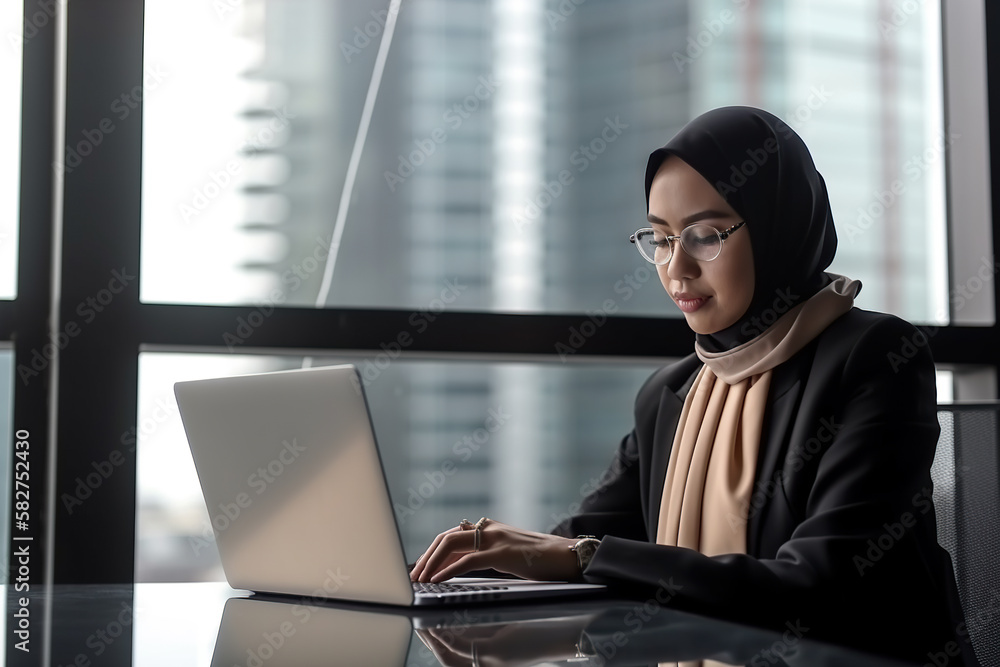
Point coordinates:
pixel 444 652
pixel 449 547
pixel 454 642
pixel 429 573
pixel 418 567
pixel 522 553
pixel 437 541
pixel 462 564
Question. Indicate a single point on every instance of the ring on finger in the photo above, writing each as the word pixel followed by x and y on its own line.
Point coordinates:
pixel 477 542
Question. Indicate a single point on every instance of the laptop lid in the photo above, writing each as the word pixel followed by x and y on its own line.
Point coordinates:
pixel 294 486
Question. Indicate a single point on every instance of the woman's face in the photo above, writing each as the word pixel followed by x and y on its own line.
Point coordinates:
pixel 713 295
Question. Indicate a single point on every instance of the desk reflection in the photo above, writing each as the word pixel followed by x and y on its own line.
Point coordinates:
pixel 262 631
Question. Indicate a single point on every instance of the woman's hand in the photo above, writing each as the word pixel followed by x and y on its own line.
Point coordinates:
pixel 522 553
pixel 511 644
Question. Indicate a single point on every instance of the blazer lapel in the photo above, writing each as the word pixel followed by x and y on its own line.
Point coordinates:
pixel 667 416
pixel 786 388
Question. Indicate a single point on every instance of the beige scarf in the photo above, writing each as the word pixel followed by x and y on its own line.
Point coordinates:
pixel 713 461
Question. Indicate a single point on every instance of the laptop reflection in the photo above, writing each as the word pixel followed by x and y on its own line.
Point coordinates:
pixel 264 631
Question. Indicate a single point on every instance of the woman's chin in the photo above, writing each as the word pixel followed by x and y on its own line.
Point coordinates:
pixel 698 325
pixel 703 324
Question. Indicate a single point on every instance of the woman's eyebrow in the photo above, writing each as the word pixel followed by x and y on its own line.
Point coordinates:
pixel 694 217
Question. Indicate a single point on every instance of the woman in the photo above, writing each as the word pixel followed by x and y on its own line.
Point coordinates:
pixel 780 473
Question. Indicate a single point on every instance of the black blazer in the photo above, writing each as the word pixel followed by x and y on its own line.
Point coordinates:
pixel 841 532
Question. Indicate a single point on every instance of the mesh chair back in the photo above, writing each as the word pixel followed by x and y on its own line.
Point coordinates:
pixel 966 479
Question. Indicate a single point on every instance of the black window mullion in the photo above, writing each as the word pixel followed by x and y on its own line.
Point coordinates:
pixel 991 348
pixel 24 321
pixel 7 323
pixel 94 506
pixel 238 329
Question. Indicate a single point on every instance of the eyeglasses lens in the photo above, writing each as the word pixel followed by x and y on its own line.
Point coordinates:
pixel 701 242
pixel 653 246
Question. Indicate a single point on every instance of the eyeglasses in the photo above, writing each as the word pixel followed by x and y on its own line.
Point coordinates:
pixel 702 242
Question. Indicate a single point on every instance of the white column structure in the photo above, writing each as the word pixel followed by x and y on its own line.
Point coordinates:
pixel 518 252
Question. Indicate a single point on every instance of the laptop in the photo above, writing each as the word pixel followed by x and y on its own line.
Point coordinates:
pixel 297 494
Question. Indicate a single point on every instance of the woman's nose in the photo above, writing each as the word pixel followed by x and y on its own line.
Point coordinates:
pixel 681 264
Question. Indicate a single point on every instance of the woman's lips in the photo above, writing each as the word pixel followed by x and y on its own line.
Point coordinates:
pixel 691 305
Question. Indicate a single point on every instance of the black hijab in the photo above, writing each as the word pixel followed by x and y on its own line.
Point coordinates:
pixel 762 168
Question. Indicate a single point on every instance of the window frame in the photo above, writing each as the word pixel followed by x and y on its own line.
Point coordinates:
pixel 77 228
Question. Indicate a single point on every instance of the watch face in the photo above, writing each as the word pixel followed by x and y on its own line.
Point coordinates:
pixel 588 548
pixel 585 550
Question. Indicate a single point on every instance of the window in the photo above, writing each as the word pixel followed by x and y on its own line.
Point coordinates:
pixel 10 136
pixel 485 218
pixel 503 164
pixel 10 127
pixel 518 441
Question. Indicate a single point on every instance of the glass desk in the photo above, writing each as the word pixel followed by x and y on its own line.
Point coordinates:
pixel 203 625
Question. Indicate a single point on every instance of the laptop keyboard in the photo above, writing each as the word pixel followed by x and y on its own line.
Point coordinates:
pixel 434 589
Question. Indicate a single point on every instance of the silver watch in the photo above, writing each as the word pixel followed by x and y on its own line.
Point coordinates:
pixel 585 548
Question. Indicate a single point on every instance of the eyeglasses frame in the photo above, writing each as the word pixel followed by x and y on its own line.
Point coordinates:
pixel 723 235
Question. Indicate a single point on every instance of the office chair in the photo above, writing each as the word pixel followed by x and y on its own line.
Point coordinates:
pixel 967 503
